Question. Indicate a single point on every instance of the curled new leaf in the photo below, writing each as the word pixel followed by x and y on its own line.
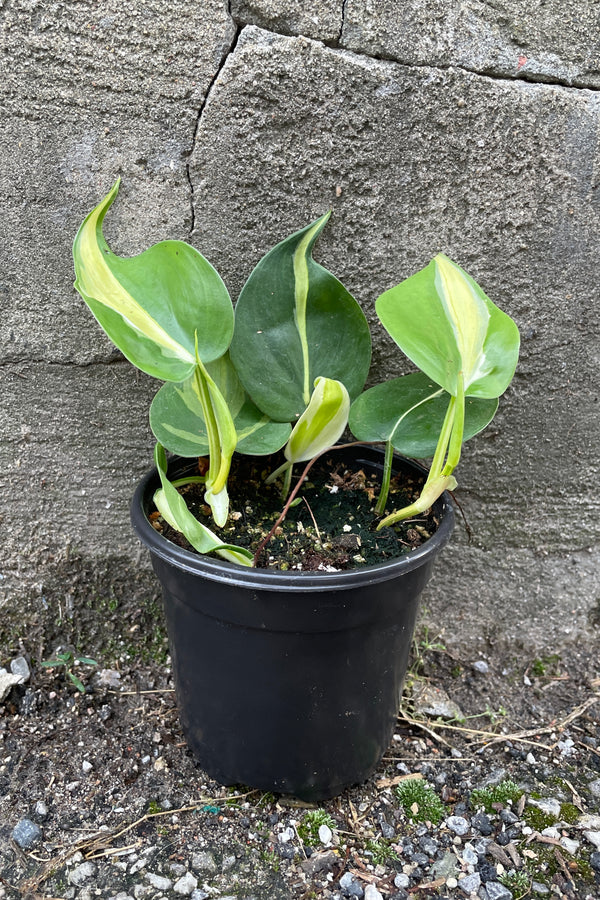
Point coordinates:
pixel 322 422
pixel 173 509
pixel 177 418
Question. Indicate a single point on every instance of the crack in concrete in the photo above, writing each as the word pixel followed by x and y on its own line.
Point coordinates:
pixel 524 78
pixel 342 23
pixel 337 46
pixel 226 54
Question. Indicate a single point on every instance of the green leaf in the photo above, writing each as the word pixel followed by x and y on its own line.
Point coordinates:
pixel 86 661
pixel 446 325
pixel 77 682
pixel 322 422
pixel 409 411
pixel 177 419
pixel 173 509
pixel 152 305
pixel 295 322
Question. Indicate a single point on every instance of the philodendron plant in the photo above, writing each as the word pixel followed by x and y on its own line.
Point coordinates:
pixel 287 367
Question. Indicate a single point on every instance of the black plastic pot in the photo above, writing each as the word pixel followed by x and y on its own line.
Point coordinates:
pixel 288 681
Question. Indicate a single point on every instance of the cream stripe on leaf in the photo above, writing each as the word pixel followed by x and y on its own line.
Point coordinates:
pixel 151 305
pixel 177 419
pixel 294 322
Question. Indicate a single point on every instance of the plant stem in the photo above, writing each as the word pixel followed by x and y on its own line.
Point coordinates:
pixel 438 480
pixel 287 481
pixel 191 479
pixel 212 429
pixel 442 445
pixel 385 479
pixel 456 438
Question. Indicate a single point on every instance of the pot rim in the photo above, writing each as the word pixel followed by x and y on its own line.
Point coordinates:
pixel 216 569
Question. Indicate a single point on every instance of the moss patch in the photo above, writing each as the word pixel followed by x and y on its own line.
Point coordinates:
pixel 419 801
pixel 506 792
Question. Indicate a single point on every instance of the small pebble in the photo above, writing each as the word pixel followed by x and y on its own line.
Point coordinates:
pixel 350 886
pixel 594 787
pixel 82 873
pixel 387 831
pixel 401 880
pixel 185 885
pixel 508 816
pixel 428 845
pixel 371 893
pixel 458 824
pixel 86 767
pixel 159 881
pixel 41 811
pixel 570 845
pixel 325 834
pixel 595 861
pixel 481 666
pixel 470 883
pixel 19 666
pixel 26 834
pixel 482 823
pixel 497 891
pixel 469 855
pixel 204 861
pixel 593 837
pixel 444 867
pixel 451 882
pixel 539 888
pixel 319 862
pixel 487 872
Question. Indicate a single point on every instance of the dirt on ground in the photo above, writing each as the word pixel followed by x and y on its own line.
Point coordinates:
pixel 100 797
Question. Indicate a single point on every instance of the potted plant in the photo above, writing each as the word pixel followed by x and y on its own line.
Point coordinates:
pixel 288 675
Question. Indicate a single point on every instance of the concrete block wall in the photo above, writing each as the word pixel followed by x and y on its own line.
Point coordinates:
pixel 426 126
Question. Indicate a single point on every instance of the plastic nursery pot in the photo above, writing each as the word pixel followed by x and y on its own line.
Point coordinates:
pixel 289 681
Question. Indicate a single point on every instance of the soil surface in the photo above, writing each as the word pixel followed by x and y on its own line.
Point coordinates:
pixel 100 798
pixel 331 525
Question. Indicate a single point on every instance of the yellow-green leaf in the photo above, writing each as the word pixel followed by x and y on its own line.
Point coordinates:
pixel 322 422
pixel 152 305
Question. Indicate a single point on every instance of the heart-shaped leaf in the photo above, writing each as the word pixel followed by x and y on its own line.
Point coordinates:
pixel 177 419
pixel 295 322
pixel 152 306
pixel 447 326
pixel 409 412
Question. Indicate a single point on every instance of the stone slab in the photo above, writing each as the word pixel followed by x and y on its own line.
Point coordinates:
pixel 538 41
pixel 74 442
pixel 88 93
pixel 500 175
pixel 322 20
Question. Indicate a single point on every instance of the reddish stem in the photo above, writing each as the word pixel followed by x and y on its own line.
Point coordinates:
pixel 294 493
